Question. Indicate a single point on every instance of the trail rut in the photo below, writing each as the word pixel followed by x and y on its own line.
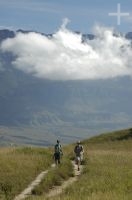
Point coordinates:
pixel 56 190
pixel 59 189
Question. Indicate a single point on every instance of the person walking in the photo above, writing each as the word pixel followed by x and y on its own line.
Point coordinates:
pixel 79 151
pixel 57 152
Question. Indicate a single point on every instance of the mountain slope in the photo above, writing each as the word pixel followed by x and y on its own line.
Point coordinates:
pixel 37 111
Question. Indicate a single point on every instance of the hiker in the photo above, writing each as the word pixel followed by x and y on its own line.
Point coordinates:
pixel 58 152
pixel 78 150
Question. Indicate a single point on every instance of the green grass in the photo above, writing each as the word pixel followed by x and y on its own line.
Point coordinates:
pixel 55 177
pixel 114 136
pixel 107 173
pixel 19 166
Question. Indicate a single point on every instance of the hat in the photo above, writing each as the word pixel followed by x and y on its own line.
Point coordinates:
pixel 78 142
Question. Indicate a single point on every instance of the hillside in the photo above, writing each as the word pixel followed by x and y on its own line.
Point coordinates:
pixel 122 135
pixel 107 170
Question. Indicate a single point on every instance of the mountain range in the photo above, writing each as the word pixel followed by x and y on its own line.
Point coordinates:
pixel 38 111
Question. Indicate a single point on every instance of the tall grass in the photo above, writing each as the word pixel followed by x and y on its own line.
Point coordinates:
pixel 107 173
pixel 19 166
pixel 55 177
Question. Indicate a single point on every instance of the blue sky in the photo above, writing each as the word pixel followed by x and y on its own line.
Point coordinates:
pixel 47 15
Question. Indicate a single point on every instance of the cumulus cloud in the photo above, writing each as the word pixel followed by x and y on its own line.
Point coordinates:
pixel 65 57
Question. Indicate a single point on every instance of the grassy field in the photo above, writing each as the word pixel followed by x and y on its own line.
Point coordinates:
pixel 55 177
pixel 19 166
pixel 107 173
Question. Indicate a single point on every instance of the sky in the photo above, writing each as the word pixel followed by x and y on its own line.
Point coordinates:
pixel 64 56
pixel 46 15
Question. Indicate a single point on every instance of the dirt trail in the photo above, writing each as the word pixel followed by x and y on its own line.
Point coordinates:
pixel 28 191
pixel 59 189
pixel 54 191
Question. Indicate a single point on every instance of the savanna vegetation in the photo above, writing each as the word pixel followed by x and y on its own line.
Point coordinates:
pixel 19 166
pixel 107 173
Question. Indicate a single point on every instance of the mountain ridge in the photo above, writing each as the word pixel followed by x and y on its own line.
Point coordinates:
pixel 44 109
pixel 7 33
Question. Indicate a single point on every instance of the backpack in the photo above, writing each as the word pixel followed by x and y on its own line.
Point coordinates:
pixel 57 148
pixel 78 150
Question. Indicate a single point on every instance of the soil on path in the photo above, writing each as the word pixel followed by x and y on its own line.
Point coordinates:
pixel 59 189
pixel 56 190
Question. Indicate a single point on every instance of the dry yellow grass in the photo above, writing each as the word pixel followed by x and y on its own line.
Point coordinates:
pixel 19 166
pixel 108 170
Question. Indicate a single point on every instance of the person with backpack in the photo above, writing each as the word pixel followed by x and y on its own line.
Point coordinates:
pixel 57 152
pixel 78 150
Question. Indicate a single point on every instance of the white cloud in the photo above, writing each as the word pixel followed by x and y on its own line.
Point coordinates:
pixel 65 57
